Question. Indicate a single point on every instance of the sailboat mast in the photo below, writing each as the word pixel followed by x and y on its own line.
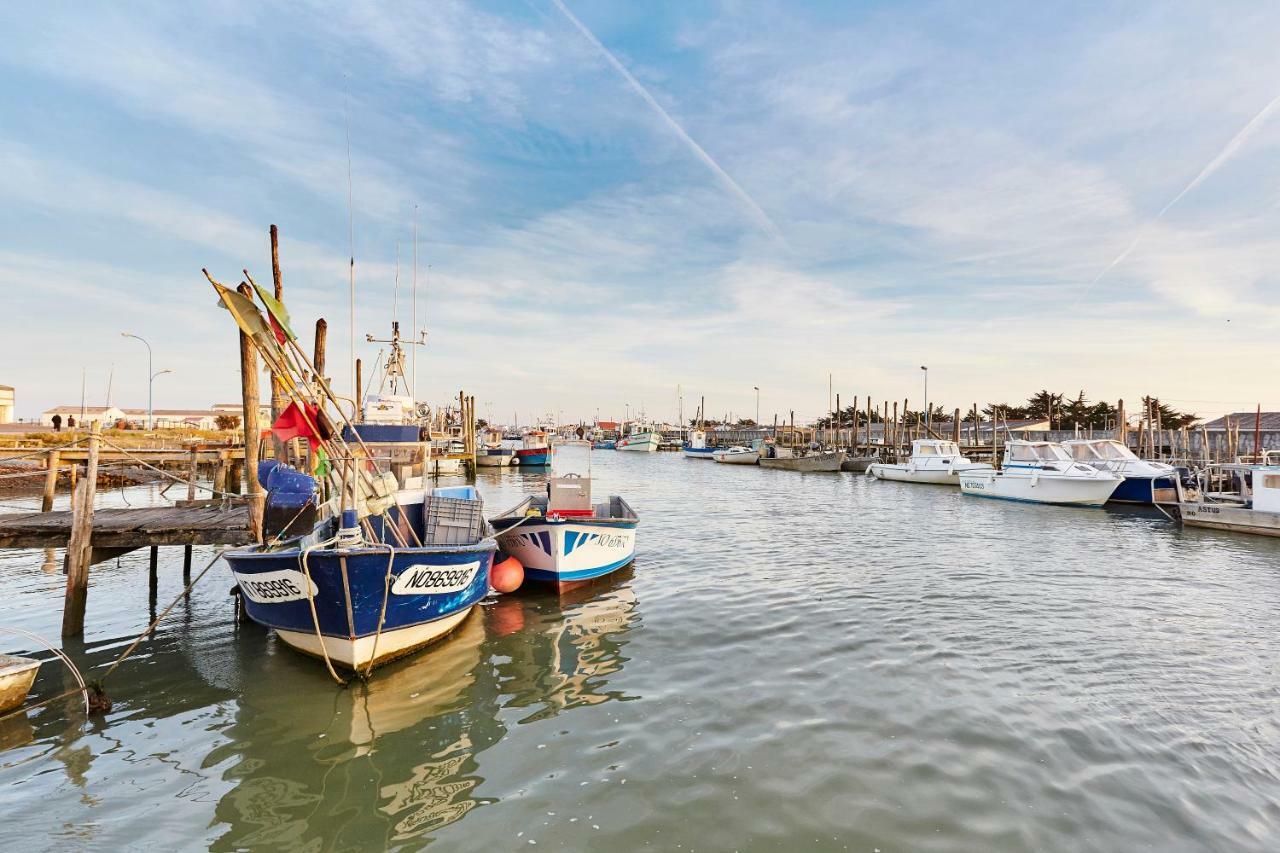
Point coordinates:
pixel 413 382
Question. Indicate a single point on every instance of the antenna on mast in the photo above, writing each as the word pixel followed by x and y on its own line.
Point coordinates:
pixel 395 300
pixel 351 237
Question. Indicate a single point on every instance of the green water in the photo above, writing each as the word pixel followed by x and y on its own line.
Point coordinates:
pixel 798 662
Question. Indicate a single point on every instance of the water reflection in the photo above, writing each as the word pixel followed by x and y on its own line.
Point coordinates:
pixel 563 648
pixel 395 759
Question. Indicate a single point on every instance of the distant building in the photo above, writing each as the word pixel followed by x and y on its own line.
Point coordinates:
pixel 106 415
pixel 7 413
pixel 1245 421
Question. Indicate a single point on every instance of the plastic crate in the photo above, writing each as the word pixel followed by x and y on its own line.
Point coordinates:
pixel 452 521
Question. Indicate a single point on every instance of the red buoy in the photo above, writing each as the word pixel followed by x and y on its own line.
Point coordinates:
pixel 507 575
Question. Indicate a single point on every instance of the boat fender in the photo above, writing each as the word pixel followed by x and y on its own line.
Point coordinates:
pixel 506 576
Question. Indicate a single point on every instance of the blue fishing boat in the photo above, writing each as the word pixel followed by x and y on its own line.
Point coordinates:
pixel 563 539
pixel 349 589
pixel 697 447
pixel 604 444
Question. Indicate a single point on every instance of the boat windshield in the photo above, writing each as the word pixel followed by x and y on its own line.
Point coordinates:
pixel 923 449
pixel 1037 453
pixel 1113 450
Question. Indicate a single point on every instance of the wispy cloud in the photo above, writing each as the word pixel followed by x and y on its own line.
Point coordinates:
pixel 753 210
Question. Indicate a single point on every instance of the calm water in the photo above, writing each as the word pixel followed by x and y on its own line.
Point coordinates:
pixel 812 662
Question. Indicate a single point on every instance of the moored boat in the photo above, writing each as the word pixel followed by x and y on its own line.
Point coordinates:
pixel 564 539
pixel 1238 497
pixel 785 459
pixel 736 455
pixel 1145 482
pixel 353 594
pixel 492 453
pixel 642 437
pixel 932 460
pixel 535 450
pixel 857 464
pixel 698 447
pixel 17 674
pixel 1041 472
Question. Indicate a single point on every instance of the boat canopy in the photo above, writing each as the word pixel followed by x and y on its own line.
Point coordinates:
pixel 1038 451
pixel 1107 449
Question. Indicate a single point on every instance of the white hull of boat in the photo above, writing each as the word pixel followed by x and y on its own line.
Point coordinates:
pixel 444 466
pixel 16 676
pixel 1038 487
pixel 358 653
pixel 487 461
pixel 643 443
pixel 751 458
pixel 908 473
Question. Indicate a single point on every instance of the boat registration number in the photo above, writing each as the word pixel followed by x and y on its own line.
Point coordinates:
pixel 275 587
pixel 435 580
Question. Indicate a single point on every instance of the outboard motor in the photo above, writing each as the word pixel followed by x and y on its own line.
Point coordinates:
pixel 292 505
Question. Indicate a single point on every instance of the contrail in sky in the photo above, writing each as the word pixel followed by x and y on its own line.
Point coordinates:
pixel 757 214
pixel 1229 151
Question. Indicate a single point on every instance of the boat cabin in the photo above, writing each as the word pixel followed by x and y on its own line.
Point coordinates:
pixel 535 440
pixel 933 447
pixel 1039 454
pixel 1091 450
pixel 698 440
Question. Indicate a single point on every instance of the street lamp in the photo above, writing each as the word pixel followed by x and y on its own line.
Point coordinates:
pixel 926 398
pixel 757 387
pixel 150 376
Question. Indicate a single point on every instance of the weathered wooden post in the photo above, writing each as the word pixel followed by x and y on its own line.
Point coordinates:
pixel 317 357
pixel 50 480
pixel 955 427
pixel 250 401
pixel 153 570
pixel 359 393
pixel 193 471
pixel 80 546
pixel 1122 424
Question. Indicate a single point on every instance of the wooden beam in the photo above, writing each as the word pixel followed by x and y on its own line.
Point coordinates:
pixel 249 400
pixel 80 548
pixel 50 480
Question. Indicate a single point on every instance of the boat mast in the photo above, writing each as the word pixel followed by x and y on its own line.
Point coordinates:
pixel 413 392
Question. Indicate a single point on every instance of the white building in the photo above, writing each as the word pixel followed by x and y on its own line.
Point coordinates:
pixel 7 413
pixel 106 415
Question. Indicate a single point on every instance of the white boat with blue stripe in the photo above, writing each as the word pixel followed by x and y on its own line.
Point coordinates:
pixel 1041 472
pixel 697 446
pixel 562 538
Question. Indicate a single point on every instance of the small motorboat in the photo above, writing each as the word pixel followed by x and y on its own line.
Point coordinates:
pixel 932 461
pixel 17 674
pixel 736 455
pixel 1144 482
pixel 562 538
pixel 1041 472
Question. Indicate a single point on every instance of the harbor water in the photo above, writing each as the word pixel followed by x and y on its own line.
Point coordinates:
pixel 795 662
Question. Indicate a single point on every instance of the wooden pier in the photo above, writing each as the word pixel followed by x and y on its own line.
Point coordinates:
pixel 120 530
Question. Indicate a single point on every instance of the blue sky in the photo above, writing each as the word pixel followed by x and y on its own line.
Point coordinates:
pixel 854 189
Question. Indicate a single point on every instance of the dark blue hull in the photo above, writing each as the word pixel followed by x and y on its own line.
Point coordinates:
pixel 1137 490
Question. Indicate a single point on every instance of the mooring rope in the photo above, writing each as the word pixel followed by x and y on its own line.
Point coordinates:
pixel 303 559
pixel 94 688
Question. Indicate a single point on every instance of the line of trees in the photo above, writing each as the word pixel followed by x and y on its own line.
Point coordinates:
pixel 1060 411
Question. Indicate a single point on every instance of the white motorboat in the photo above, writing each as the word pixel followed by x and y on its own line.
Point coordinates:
pixel 736 455
pixel 1041 472
pixel 1144 482
pixel 932 461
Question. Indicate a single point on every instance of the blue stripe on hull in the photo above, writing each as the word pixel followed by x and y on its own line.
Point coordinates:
pixel 366 573
pixel 992 497
pixel 582 574
pixel 535 459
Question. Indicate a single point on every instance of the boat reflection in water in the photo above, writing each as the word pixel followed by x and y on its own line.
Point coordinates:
pixel 378 764
pixel 563 648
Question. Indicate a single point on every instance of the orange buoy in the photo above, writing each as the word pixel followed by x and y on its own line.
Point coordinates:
pixel 507 575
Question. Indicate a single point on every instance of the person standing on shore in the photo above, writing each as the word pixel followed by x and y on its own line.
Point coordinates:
pixel 57 423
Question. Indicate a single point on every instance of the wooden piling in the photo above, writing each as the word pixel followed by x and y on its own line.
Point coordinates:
pixel 317 357
pixel 193 471
pixel 1257 436
pixel 153 570
pixel 955 427
pixel 249 401
pixel 80 547
pixel 278 399
pixel 50 480
pixel 359 393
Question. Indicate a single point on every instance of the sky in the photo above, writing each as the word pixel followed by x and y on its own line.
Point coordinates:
pixel 617 202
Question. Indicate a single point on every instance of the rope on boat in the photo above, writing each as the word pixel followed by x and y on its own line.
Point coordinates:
pixel 382 616
pixel 303 559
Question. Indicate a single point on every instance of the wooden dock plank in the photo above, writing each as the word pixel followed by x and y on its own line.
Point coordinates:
pixel 131 527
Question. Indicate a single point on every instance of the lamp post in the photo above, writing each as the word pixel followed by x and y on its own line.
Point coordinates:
pixel 926 398
pixel 757 387
pixel 150 376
